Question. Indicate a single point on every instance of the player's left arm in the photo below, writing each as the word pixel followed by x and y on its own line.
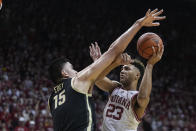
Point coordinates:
pixel 102 82
pixel 143 96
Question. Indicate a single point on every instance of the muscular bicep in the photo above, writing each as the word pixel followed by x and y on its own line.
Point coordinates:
pixel 106 84
pixel 92 72
pixel 138 109
pixel 142 101
pixel 86 78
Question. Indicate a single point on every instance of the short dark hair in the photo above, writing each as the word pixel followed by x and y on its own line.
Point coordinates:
pixel 55 69
pixel 138 64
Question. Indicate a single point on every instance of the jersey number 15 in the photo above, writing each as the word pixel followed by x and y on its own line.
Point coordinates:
pixel 59 99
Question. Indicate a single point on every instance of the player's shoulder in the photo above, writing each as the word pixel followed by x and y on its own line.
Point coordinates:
pixel 115 86
pixel 81 86
pixel 66 81
pixel 133 92
pixel 116 89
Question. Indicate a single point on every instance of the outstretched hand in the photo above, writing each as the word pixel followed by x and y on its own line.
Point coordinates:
pixel 156 55
pixel 150 17
pixel 123 59
pixel 95 51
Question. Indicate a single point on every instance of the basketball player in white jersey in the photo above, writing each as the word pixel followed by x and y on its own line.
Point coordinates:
pixel 126 106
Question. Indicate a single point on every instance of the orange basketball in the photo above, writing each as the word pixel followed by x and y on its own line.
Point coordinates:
pixel 145 43
pixel 0 4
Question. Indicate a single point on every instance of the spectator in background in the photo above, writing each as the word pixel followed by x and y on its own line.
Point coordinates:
pixel 31 37
pixel 28 83
pixel 21 125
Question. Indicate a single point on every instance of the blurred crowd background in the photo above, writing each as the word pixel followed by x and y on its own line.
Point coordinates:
pixel 34 32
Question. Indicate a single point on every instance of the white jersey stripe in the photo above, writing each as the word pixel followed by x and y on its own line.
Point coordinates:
pixel 90 115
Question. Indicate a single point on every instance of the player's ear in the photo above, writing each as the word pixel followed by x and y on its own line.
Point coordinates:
pixel 64 74
pixel 137 76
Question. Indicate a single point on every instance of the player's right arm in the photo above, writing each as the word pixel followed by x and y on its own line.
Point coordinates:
pixel 143 96
pixel 102 81
pixel 87 77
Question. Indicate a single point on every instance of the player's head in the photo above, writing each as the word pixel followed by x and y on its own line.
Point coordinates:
pixel 61 68
pixel 132 73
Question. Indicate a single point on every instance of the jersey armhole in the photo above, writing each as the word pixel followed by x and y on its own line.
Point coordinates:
pixel 72 86
pixel 133 102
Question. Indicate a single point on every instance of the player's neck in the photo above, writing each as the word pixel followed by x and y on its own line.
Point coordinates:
pixel 132 86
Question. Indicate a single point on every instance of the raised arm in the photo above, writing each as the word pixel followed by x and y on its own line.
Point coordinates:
pixel 146 84
pixel 86 77
pixel 102 81
pixel 147 21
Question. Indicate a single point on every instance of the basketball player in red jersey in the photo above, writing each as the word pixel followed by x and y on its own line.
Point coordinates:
pixel 126 106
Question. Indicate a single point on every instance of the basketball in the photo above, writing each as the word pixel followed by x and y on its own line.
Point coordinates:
pixel 0 4
pixel 145 43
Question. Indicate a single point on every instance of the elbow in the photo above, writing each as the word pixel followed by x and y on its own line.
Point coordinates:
pixel 98 81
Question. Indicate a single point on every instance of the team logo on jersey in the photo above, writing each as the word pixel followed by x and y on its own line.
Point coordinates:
pixel 121 100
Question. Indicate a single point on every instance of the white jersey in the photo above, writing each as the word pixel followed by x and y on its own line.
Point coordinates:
pixel 119 114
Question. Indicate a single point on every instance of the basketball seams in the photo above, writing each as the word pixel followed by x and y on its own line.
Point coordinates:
pixel 150 47
pixel 139 47
pixel 143 51
pixel 146 52
pixel 146 41
pixel 143 42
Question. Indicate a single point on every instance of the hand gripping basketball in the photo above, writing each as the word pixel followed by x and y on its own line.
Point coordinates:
pixel 146 42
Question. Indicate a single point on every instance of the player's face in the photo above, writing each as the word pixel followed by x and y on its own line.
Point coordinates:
pixel 68 69
pixel 128 74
